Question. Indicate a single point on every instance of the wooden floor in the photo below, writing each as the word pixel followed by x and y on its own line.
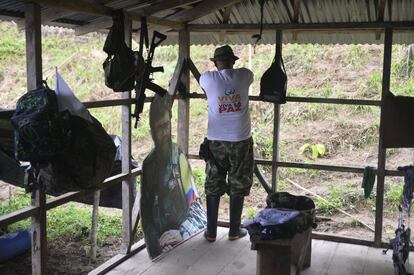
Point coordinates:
pixel 196 256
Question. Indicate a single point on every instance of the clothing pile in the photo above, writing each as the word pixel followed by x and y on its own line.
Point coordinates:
pixel 284 216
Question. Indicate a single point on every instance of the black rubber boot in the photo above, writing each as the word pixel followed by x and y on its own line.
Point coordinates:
pixel 213 203
pixel 236 208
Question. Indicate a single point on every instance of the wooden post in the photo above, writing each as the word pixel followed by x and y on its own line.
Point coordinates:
pixel 184 103
pixel 34 78
pixel 94 227
pixel 33 46
pixel 276 118
pixel 127 195
pixel 379 204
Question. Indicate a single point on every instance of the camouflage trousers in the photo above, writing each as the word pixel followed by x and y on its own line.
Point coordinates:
pixel 231 160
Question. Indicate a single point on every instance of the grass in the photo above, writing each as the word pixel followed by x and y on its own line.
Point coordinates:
pixel 344 196
pixel 69 219
pixel 199 180
pixel 356 56
pixel 393 195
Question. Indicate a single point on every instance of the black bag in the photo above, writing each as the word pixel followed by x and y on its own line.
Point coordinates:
pixel 119 66
pixel 36 120
pixel 85 162
pixel 300 223
pixel 273 84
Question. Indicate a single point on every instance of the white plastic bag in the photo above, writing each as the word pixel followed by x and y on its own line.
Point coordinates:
pixel 67 99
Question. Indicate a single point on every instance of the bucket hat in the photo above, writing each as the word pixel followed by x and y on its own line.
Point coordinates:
pixel 223 53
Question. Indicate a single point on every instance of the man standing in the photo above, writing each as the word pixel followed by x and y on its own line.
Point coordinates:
pixel 229 140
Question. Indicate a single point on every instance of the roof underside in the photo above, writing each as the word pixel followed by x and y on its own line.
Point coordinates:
pixel 234 22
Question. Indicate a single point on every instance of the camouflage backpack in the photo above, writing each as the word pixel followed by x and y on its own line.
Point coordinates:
pixel 36 121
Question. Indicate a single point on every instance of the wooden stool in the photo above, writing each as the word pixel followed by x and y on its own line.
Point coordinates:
pixel 276 256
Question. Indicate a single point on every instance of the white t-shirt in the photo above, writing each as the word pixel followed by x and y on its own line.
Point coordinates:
pixel 228 103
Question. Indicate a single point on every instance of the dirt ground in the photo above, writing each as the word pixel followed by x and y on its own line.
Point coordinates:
pixel 66 255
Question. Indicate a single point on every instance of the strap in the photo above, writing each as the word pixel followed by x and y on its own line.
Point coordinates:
pixel 283 65
pixel 143 35
pixel 259 36
pixel 281 62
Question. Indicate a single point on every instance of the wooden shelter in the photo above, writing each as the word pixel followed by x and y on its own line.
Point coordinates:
pixel 189 22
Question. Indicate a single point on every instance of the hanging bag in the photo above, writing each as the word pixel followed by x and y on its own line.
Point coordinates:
pixel 273 84
pixel 38 131
pixel 119 67
pixel 86 161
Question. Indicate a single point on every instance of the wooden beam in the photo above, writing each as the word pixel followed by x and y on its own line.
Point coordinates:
pixel 34 78
pixel 276 118
pixel 175 80
pixel 225 20
pixel 184 103
pixel 204 8
pixel 166 5
pixel 226 14
pixel 80 6
pixel 48 16
pixel 127 185
pixel 386 75
pixel 381 10
pixel 136 210
pixel 194 70
pixel 322 167
pixel 10 15
pixel 380 16
pixel 18 215
pixel 93 238
pixel 83 6
pixel 340 101
pixel 296 10
pixel 33 46
pixel 400 25
pixel 105 22
pixel 62 199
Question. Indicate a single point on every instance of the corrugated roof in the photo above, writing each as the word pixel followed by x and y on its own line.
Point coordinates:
pixel 275 12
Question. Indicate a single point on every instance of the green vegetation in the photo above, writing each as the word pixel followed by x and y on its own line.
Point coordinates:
pixel 356 56
pixel 250 213
pixel 199 178
pixel 393 195
pixel 69 219
pixel 313 150
pixel 344 196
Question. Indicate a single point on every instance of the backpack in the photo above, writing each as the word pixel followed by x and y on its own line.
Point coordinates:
pixel 36 121
pixel 85 162
pixel 119 66
pixel 273 84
